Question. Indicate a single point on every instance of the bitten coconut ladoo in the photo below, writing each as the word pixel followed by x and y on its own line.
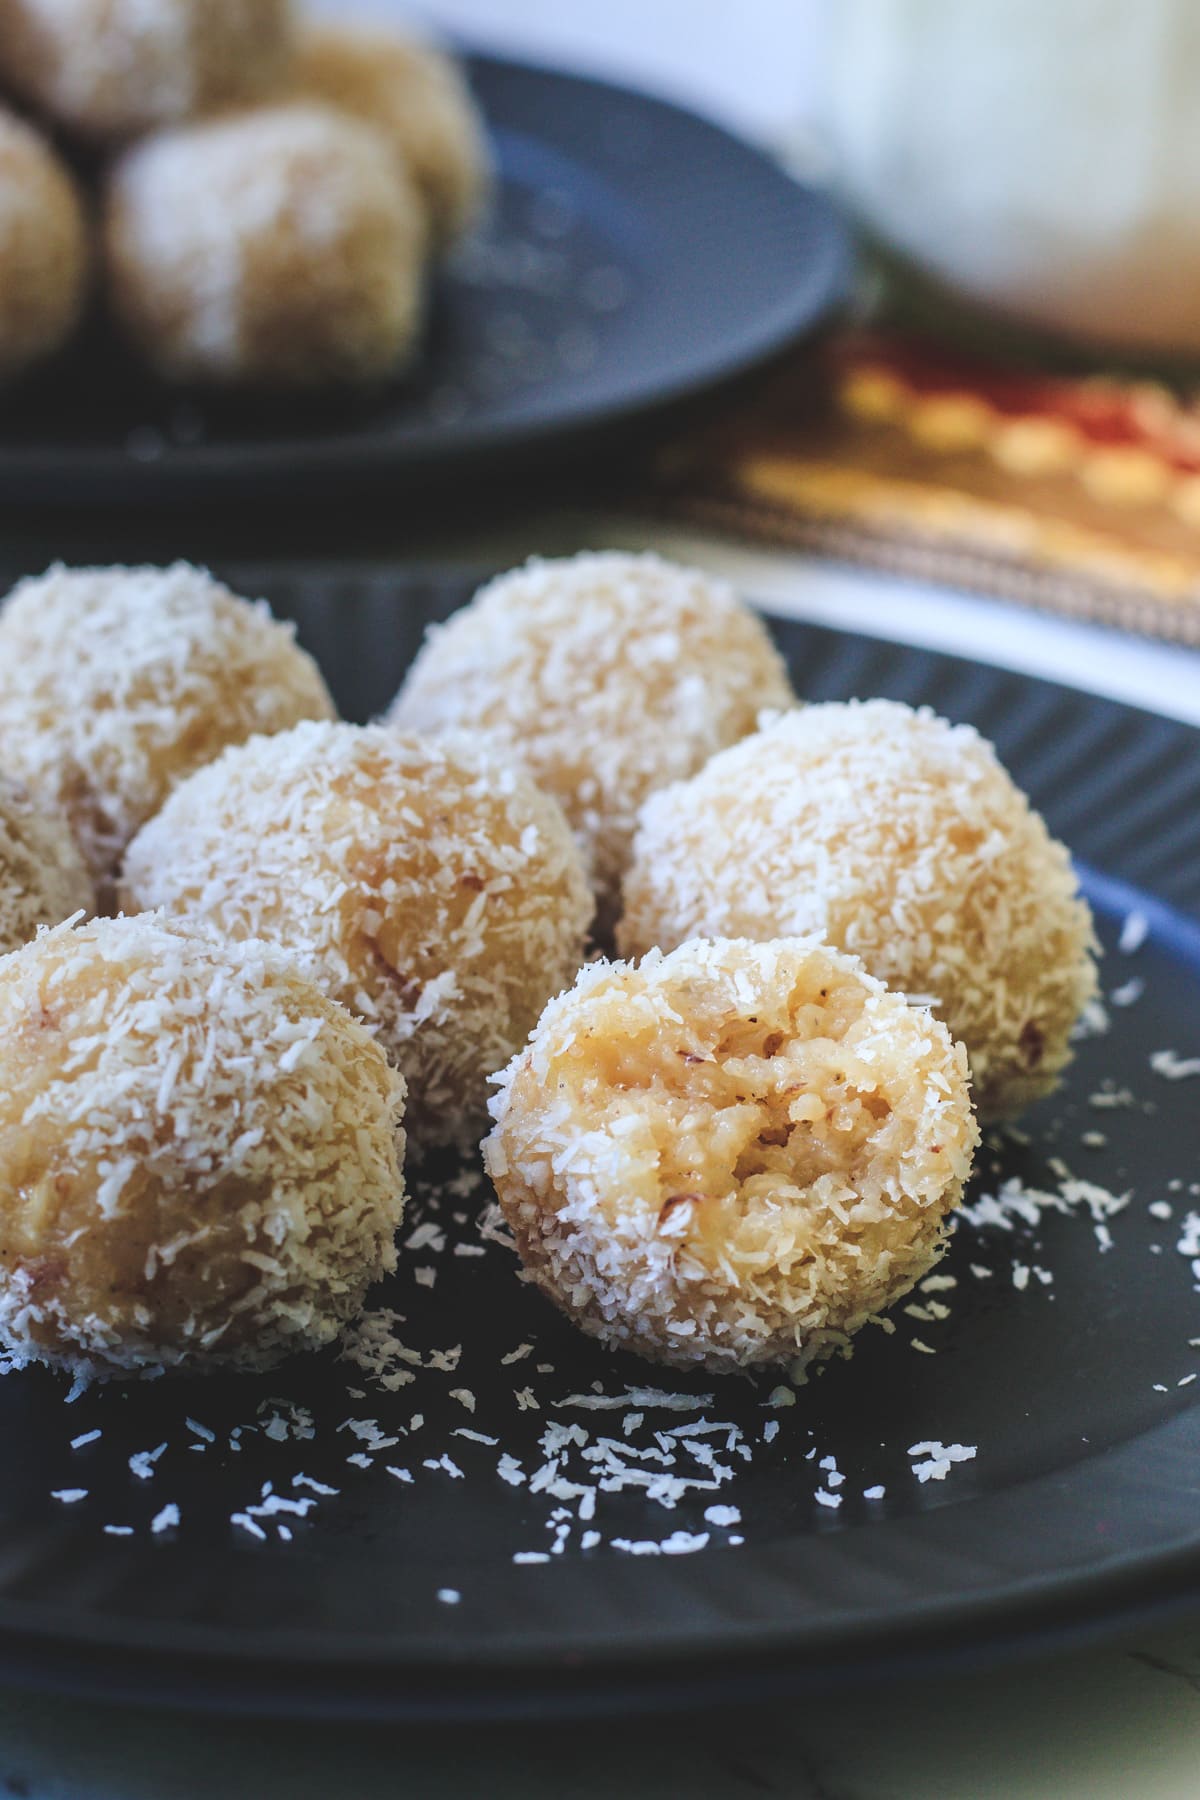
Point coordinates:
pixel 428 886
pixel 43 877
pixel 734 1155
pixel 43 248
pixel 609 675
pixel 112 69
pixel 200 1155
pixel 898 837
pixel 282 247
pixel 115 683
pixel 417 99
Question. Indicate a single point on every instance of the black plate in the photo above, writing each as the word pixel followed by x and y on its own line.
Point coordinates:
pixel 637 257
pixel 1079 1508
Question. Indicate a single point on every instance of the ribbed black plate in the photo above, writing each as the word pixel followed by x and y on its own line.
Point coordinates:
pixel 1068 1366
pixel 636 257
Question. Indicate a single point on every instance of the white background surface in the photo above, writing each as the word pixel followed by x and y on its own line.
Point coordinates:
pixel 1121 1723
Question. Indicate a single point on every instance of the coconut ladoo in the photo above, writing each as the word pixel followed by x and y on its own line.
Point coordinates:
pixel 733 1155
pixel 43 877
pixel 901 838
pixel 115 683
pixel 280 248
pixel 200 1155
pixel 609 676
pixel 427 885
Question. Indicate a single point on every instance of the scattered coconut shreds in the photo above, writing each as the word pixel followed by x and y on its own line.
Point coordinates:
pixel 1111 1099
pixel 1093 1022
pixel 592 1469
pixel 1134 932
pixel 142 1462
pixel 933 1461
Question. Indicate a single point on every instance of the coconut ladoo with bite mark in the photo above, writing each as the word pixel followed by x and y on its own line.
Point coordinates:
pixel 896 836
pixel 43 877
pixel 115 683
pixel 609 676
pixel 200 1155
pixel 428 885
pixel 734 1155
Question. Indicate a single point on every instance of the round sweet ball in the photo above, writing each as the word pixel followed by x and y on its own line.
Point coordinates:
pixel 426 885
pixel 415 95
pixel 43 248
pixel 43 877
pixel 609 675
pixel 281 248
pixel 111 69
pixel 900 838
pixel 200 1155
pixel 115 683
pixel 732 1155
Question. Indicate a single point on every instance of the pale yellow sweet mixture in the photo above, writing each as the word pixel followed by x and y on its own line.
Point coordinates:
pixel 416 97
pixel 900 838
pixel 43 877
pixel 110 69
pixel 115 683
pixel 609 675
pixel 732 1155
pixel 283 247
pixel 44 251
pixel 427 885
pixel 200 1155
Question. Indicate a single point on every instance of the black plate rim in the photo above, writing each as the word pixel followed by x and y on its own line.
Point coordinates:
pixel 339 456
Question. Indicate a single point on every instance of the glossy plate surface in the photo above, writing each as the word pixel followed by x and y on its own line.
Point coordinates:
pixel 1064 1356
pixel 637 257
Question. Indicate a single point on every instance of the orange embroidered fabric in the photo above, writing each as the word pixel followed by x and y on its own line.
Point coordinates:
pixel 1075 492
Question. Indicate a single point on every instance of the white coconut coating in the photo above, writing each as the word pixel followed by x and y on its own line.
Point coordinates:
pixel 428 886
pixel 43 877
pixel 609 675
pixel 115 683
pixel 200 1155
pixel 900 838
pixel 44 251
pixel 416 97
pixel 111 69
pixel 283 247
pixel 732 1155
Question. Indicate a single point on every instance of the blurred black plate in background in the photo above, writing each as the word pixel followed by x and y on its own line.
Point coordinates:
pixel 638 257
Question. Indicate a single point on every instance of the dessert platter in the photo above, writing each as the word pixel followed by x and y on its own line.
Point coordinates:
pixel 565 1145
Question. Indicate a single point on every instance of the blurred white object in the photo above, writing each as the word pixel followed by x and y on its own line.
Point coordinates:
pixel 1039 156
pixel 748 65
